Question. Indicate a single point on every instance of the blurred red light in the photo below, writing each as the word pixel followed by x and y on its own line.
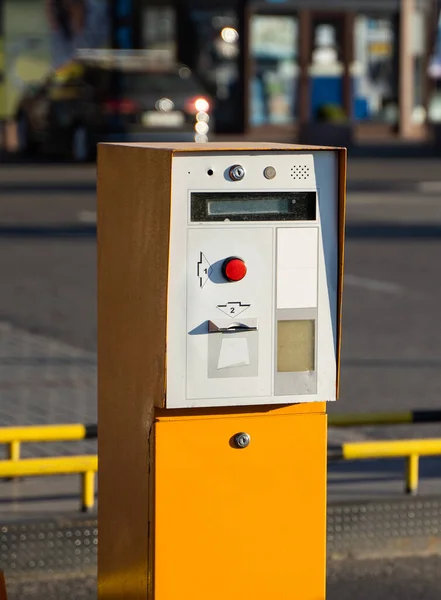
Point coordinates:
pixel 122 106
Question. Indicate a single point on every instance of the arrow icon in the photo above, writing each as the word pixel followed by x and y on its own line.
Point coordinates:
pixel 233 309
pixel 204 269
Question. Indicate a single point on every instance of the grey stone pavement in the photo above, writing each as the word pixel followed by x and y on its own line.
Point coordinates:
pixel 43 380
pixel 398 579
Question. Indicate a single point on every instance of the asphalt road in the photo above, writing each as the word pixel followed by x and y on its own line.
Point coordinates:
pixel 400 579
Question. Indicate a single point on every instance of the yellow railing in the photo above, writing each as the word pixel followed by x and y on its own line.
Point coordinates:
pixel 86 466
pixel 411 450
pixel 15 436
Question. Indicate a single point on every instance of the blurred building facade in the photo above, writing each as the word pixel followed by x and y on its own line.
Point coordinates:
pixel 295 58
pixel 272 65
pixel 39 35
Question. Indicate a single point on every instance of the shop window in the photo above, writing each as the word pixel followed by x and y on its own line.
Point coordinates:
pixel 27 49
pixel 375 72
pixel 274 69
pixel 434 73
pixel 159 30
pixel 326 67
pixel 76 25
pixel 419 45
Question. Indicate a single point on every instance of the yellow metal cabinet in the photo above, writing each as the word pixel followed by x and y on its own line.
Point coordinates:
pixel 183 513
pixel 243 523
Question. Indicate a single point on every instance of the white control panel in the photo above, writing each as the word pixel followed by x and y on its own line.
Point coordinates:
pixel 253 279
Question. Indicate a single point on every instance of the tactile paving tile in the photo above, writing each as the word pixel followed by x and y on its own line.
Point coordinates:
pixel 402 526
pixel 49 546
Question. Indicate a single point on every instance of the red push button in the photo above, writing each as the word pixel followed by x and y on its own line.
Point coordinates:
pixel 234 269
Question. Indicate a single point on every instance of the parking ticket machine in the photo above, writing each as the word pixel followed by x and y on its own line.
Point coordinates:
pixel 219 307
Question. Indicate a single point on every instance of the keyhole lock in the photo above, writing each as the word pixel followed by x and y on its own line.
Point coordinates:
pixel 237 173
pixel 242 440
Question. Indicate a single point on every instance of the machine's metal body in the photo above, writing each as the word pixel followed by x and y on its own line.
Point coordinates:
pixel 220 275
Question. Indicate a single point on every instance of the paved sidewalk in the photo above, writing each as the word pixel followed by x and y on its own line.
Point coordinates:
pixel 45 381
pixel 392 579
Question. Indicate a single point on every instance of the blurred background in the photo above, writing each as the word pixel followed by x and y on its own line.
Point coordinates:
pixel 365 74
pixel 281 69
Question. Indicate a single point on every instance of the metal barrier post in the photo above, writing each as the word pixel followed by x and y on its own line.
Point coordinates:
pixel 88 491
pixel 412 474
pixel 14 450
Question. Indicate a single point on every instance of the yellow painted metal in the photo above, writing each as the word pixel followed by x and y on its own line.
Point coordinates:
pixel 88 490
pixel 412 474
pixel 248 523
pixel 48 466
pixel 390 449
pixel 42 433
pixel 14 450
pixel 352 420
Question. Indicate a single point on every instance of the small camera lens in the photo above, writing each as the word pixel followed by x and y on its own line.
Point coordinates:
pixel 210 172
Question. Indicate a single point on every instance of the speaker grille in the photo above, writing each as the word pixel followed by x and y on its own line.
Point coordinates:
pixel 300 172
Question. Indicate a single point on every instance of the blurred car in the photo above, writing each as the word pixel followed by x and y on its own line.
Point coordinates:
pixel 105 96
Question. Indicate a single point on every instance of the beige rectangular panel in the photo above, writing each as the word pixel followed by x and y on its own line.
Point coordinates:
pixel 295 346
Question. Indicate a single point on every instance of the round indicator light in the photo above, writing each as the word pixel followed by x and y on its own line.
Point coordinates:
pixel 269 173
pixel 234 269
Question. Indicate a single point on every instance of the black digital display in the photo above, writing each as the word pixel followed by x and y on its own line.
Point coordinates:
pixel 253 206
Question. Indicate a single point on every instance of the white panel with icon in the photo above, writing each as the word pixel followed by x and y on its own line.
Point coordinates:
pixel 253 279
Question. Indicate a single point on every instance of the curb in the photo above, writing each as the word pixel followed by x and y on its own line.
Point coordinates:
pixel 376 529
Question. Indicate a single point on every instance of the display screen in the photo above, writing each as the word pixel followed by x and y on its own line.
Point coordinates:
pixel 264 206
pixel 253 206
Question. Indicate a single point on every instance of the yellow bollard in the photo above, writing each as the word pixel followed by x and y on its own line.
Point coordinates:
pixel 412 474
pixel 88 491
pixel 14 450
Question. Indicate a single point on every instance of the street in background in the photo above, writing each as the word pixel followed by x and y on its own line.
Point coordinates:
pixel 112 96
